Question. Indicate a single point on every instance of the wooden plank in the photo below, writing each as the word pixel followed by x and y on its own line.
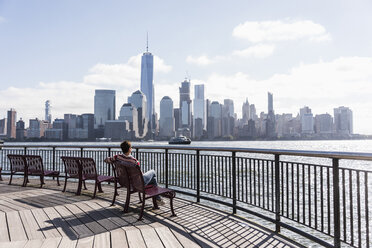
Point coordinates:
pixel 16 230
pixel 185 239
pixel 14 244
pixel 102 240
pixel 167 237
pixel 74 222
pixel 86 242
pixel 134 237
pixel 60 224
pixel 52 242
pixel 95 211
pixel 4 234
pixel 119 239
pixel 66 242
pixel 150 237
pixel 31 227
pixel 86 219
pixel 34 243
pixel 45 223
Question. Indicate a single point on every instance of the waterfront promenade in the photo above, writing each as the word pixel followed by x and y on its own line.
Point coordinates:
pixel 34 217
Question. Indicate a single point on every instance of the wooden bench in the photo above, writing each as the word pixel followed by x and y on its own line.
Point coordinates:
pixel 130 176
pixel 35 167
pixel 17 165
pixel 30 165
pixel 84 169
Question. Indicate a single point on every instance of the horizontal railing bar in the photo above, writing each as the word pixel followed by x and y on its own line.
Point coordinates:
pixel 322 154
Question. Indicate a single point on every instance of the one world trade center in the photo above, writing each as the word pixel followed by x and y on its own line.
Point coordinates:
pixel 147 85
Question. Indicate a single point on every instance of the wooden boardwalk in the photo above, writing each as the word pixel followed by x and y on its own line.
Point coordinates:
pixel 34 217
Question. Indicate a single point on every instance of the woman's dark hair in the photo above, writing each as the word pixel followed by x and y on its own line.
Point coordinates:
pixel 125 146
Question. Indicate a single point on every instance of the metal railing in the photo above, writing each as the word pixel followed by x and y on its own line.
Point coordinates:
pixel 307 192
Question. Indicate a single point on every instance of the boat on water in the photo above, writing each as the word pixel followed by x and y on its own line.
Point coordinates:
pixel 180 140
pixel 103 139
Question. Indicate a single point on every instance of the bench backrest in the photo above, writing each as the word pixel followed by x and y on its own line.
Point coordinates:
pixel 34 164
pixel 129 175
pixel 17 162
pixel 71 166
pixel 89 167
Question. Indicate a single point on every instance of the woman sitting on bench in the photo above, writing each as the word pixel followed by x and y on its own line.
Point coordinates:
pixel 149 177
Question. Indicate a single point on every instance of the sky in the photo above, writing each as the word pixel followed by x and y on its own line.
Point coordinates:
pixel 307 53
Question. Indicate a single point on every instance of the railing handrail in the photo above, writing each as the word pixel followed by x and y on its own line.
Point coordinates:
pixel 305 153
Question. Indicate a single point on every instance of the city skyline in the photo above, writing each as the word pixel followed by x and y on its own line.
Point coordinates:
pixel 313 54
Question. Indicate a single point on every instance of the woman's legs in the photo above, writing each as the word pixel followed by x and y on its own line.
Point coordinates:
pixel 149 178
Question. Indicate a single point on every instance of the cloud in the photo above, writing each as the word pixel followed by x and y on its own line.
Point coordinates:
pixel 202 60
pixel 281 30
pixel 258 51
pixel 78 97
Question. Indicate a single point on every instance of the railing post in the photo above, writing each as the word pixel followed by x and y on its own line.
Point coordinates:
pixel 336 203
pixel 25 151
pixel 81 152
pixel 197 176
pixel 54 159
pixel 234 181
pixel 166 168
pixel 109 167
pixel 277 194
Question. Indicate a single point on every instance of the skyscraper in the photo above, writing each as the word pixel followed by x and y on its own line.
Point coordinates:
pixel 307 120
pixel 11 124
pixel 245 112
pixel 147 85
pixel 138 100
pixel 199 110
pixel 166 117
pixel 343 120
pixel 270 121
pixel 48 114
pixel 104 107
pixel 185 105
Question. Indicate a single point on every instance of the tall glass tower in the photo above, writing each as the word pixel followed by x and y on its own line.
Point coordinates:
pixel 104 107
pixel 147 85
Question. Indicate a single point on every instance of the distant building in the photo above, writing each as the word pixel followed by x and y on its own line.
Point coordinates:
pixel 20 130
pixel 283 124
pixel 176 114
pixel 147 85
pixel 58 131
pixel 117 130
pixel 199 110
pixel 166 117
pixel 104 107
pixel 48 114
pixel 185 105
pixel 323 124
pixel 215 120
pixel 139 101
pixel 227 120
pixel 3 129
pixel 270 120
pixel 307 120
pixel 252 112
pixel 245 112
pixel 36 128
pixel 343 120
pixel 128 112
pixel 11 124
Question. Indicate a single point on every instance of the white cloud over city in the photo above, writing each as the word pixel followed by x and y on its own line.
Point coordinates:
pixel 281 30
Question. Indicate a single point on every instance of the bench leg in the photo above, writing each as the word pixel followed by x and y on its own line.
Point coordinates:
pixel 142 208
pixel 25 181
pixel 115 194
pixel 41 181
pixel 58 181
pixel 85 186
pixel 95 189
pixel 100 188
pixel 154 203
pixel 64 187
pixel 1 179
pixel 11 177
pixel 127 200
pixel 171 206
